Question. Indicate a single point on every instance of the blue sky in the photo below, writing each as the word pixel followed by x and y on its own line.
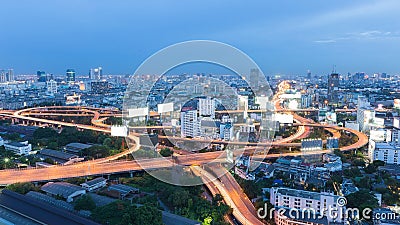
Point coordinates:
pixel 283 37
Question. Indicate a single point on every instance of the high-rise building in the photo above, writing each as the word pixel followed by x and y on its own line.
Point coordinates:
pixel 190 126
pixel 41 75
pixel 70 75
pixel 51 86
pixel 6 75
pixel 254 77
pixel 333 87
pixel 96 73
pixel 309 74
pixel 10 75
pixel 207 107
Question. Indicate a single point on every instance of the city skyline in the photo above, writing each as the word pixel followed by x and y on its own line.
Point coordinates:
pixel 283 38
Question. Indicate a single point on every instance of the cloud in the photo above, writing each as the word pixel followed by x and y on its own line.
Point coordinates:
pixel 325 41
pixel 364 35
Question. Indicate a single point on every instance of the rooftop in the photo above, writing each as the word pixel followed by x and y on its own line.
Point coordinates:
pixel 123 189
pixel 301 193
pixel 61 188
pixel 94 181
pixel 42 212
pixel 57 154
pixel 16 144
pixel 78 145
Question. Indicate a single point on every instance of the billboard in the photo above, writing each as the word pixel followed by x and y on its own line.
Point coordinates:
pixel 283 118
pixel 377 135
pixel 119 131
pixel 293 104
pixel 311 144
pixel 396 123
pixel 262 101
pixel 166 107
pixel 138 112
pixel 379 121
pixel 396 103
pixel 331 117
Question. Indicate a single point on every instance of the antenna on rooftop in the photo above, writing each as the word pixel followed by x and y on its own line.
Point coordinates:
pixel 334 69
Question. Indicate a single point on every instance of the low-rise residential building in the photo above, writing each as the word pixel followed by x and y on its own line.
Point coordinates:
pixel 94 184
pixel 59 157
pixel 123 190
pixel 65 190
pixel 387 152
pixel 19 148
pixel 76 148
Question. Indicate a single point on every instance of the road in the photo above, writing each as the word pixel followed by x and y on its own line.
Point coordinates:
pixel 233 195
pixel 243 209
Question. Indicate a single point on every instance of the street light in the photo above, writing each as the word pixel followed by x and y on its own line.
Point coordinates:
pixel 6 160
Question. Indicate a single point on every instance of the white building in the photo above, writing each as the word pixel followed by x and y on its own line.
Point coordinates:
pixel 305 101
pixel 384 151
pixel 94 184
pixel 96 73
pixel 226 131
pixel 320 203
pixel 190 124
pixel 51 86
pixel 19 148
pixel 66 190
pixel 365 114
pixel 352 125
pixel 207 107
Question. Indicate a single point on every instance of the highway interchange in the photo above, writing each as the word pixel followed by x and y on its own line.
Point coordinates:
pixel 243 210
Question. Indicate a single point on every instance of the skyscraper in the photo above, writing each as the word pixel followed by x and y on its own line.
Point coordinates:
pixel 207 107
pixel 51 87
pixel 70 75
pixel 96 73
pixel 333 87
pixel 254 77
pixel 41 75
pixel 6 75
pixel 309 74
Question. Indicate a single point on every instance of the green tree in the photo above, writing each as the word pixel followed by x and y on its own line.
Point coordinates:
pixel 22 188
pixel 147 215
pixel 85 202
pixel 166 152
pixel 52 145
pixel 361 200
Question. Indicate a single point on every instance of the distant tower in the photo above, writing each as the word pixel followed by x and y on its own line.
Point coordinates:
pixel 70 75
pixel 96 73
pixel 41 75
pixel 309 74
pixel 10 75
pixel 254 77
pixel 207 107
pixel 333 87
pixel 51 87
pixel 3 76
pixel 6 75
